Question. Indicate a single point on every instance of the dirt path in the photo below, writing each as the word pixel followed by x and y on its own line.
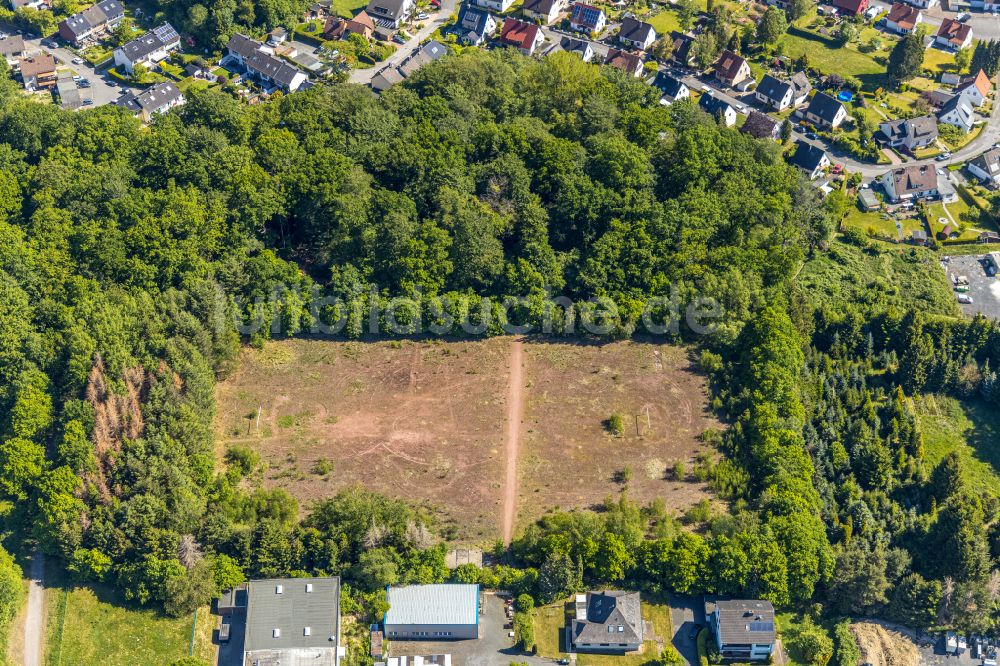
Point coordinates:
pixel 515 410
pixel 33 621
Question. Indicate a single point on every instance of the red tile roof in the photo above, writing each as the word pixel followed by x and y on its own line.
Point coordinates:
pixel 980 81
pixel 623 60
pixel 954 32
pixel 904 16
pixel 728 65
pixel 851 6
pixel 519 33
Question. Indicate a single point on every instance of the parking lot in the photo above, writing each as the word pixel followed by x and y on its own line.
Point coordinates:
pixel 983 288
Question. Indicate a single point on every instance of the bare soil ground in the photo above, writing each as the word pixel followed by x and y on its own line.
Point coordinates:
pixel 569 459
pixel 884 647
pixel 427 421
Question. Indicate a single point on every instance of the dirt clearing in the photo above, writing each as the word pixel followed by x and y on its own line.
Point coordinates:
pixel 428 421
pixel 883 647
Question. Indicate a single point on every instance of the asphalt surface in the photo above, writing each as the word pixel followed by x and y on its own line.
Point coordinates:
pixel 33 623
pixel 983 288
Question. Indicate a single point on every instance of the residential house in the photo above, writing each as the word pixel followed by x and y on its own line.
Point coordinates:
pixel 958 112
pixel 390 13
pixel 38 72
pixel 731 69
pixel 671 88
pixel 989 238
pixel 780 95
pixel 810 159
pixel 825 111
pixel 761 126
pixel 910 183
pixel 291 621
pixel 475 25
pixel 986 167
pixel 432 612
pixel 924 4
pixel 277 37
pixel 12 48
pixel 31 4
pixel 910 133
pixel 97 18
pixel 524 36
pixel 69 94
pixel 386 78
pixel 581 47
pixel 494 5
pixel 682 51
pixel 903 19
pixel 608 621
pixel 718 108
pixel 636 34
pixel 149 49
pixel 154 100
pixel 427 54
pixel 587 18
pixel 318 10
pixel 362 24
pixel 546 11
pixel 625 61
pixel 744 629
pixel 851 7
pixel 975 88
pixel 953 35
pixel 269 70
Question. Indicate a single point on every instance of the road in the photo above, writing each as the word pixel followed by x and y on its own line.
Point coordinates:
pixel 33 628
pixel 404 51
pixel 515 410
pixel 100 90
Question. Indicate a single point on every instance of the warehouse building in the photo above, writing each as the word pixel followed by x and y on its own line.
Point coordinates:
pixel 432 612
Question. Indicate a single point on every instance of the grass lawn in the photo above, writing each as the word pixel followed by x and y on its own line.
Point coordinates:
pixel 939 61
pixel 885 225
pixel 89 628
pixel 550 622
pixel 347 8
pixel 664 22
pixel 830 57
pixel 884 275
pixel 970 428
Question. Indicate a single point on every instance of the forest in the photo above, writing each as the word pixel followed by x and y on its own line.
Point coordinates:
pixel 127 255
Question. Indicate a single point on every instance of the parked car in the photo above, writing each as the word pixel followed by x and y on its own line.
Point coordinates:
pixel 398 39
pixel 423 16
pixel 78 61
pixel 695 630
pixel 83 83
pixel 88 102
pixel 965 299
pixel 943 156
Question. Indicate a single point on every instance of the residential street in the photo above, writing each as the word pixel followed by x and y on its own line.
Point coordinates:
pixel 436 20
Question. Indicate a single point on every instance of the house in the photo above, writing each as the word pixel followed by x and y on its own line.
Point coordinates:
pixel 154 100
pixel 868 201
pixel 427 54
pixel 910 183
pixel 625 61
pixel 636 34
pixel 810 159
pixel 69 94
pixel 386 78
pixel 761 126
pixel 903 19
pixel 989 237
pixel 587 18
pixel 101 16
pixel 986 167
pixel 718 108
pixel 779 95
pixel 919 237
pixel 744 629
pixel 318 10
pixel 277 37
pixel 682 51
pixel 825 111
pixel 149 49
pixel 39 72
pixel 12 48
pixel 524 36
pixel 546 11
pixel 389 13
pixel 925 4
pixel 731 69
pixel 475 25
pixel 494 5
pixel 608 621
pixel 292 621
pixel 270 71
pixel 975 88
pixel 851 7
pixel 581 47
pixel 432 612
pixel 911 133
pixel 958 112
pixel 671 88
pixel 953 35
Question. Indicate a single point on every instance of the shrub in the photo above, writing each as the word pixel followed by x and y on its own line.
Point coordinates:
pixel 615 425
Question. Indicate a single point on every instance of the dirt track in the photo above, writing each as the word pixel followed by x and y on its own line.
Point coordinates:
pixel 515 412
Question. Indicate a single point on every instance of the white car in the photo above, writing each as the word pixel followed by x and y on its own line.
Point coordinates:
pixel 423 16
pixel 965 299
pixel 78 61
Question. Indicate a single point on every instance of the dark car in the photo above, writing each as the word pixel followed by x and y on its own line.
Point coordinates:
pixel 695 630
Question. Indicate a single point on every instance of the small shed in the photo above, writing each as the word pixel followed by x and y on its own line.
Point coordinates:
pixel 867 201
pixel 919 237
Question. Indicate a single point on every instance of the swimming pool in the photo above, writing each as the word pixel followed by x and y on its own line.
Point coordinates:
pixel 845 95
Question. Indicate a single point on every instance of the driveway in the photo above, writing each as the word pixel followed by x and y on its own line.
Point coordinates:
pixel 33 623
pixel 404 51
pixel 685 613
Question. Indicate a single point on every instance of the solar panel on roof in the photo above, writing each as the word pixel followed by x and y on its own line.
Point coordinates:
pixel 760 626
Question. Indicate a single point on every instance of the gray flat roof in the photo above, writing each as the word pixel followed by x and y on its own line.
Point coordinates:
pixel 433 604
pixel 302 603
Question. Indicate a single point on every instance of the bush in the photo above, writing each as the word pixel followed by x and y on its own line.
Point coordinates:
pixel 322 467
pixel 702 643
pixel 847 651
pixel 814 644
pixel 615 425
